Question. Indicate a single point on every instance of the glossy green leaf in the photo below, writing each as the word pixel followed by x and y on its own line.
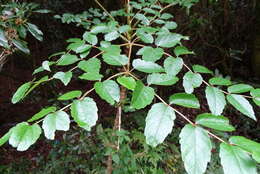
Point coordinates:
pixel 150 54
pixel 235 160
pixel 128 82
pixel 108 91
pixel 24 135
pixel 170 25
pixel 142 18
pixel 145 37
pixel 101 28
pixel 142 96
pixel 191 81
pixel 21 91
pixel 3 39
pixel 115 59
pixel 181 50
pixel 92 65
pixel 67 59
pixel 216 100
pixel 240 103
pixel 79 47
pixel 90 38
pixel 5 137
pixel 112 36
pixel 35 31
pixel 124 28
pixel 255 93
pixel 169 40
pixel 186 100
pixel 239 88
pixel 56 121
pixel 159 123
pixel 245 143
pixel 220 123
pixel 256 156
pixel 64 77
pixel 195 149
pixel 220 81
pixel 91 76
pixel 46 65
pixel 84 112
pixel 161 79
pixel 70 95
pixel 42 113
pixel 173 65
pixel 166 16
pixel 201 69
pixel 146 66
pixel 22 46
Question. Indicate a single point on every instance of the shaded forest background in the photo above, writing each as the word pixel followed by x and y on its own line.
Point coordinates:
pixel 223 36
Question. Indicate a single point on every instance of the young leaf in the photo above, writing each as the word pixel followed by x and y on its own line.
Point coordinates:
pixel 150 53
pixel 42 113
pixel 67 59
pixel 255 93
pixel 70 95
pixel 220 81
pixel 24 135
pixel 186 100
pixel 108 91
pixel 241 104
pixel 173 65
pixel 161 79
pixel 128 82
pixel 216 100
pixel 220 123
pixel 84 112
pixel 239 88
pixel 195 149
pixel 90 38
pixel 147 67
pixel 159 123
pixel 181 50
pixel 142 96
pixel 235 160
pixel 201 69
pixel 169 40
pixel 21 91
pixel 64 77
pixel 56 121
pixel 191 81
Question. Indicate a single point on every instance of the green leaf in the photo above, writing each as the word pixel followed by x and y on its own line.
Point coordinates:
pixel 101 28
pixel 186 100
pixel 145 37
pixel 112 56
pixel 42 113
pixel 150 54
pixel 35 31
pixel 108 91
pixel 112 36
pixel 67 59
pixel 84 112
pixel 20 93
pixel 92 76
pixel 170 25
pixel 21 46
pixel 173 65
pixel 124 28
pixel 245 143
pixel 235 160
pixel 92 65
pixel 6 137
pixel 3 40
pixel 56 121
pixel 191 81
pixel 90 38
pixel 216 100
pixel 169 40
pixel 255 93
pixel 195 149
pixel 79 47
pixel 220 81
pixel 146 66
pixel 64 77
pixel 220 123
pixel 128 82
pixel 142 96
pixel 159 123
pixel 161 79
pixel 181 50
pixel 70 95
pixel 142 18
pixel 239 88
pixel 201 69
pixel 256 156
pixel 241 104
pixel 24 135
pixel 166 16
pixel 46 65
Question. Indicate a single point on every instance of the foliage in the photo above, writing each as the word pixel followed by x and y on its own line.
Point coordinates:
pixel 143 54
